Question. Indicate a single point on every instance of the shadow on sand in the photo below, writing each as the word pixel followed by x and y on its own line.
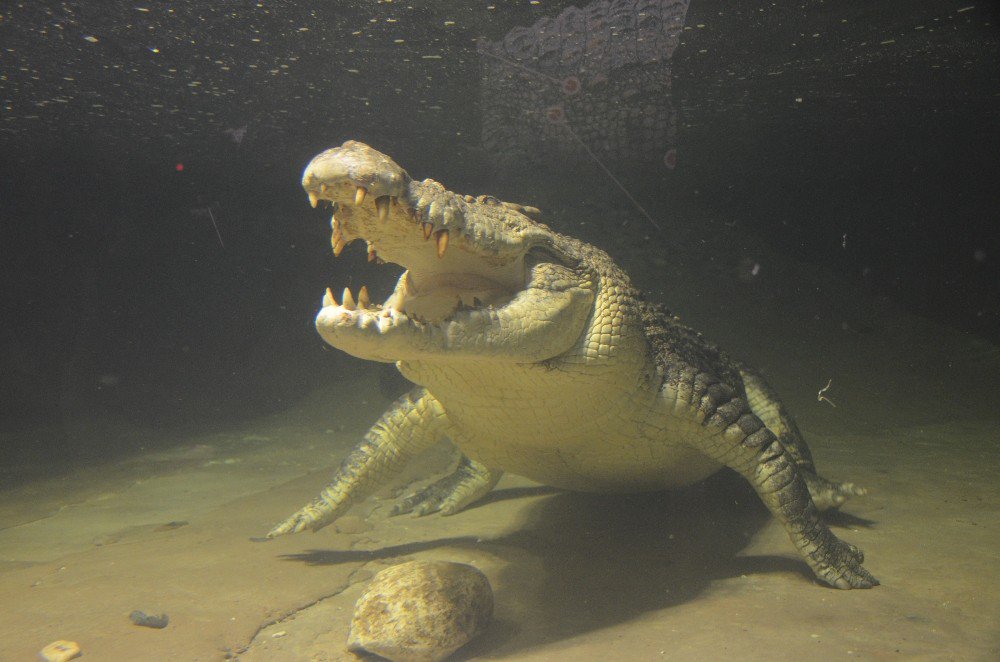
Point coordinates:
pixel 606 559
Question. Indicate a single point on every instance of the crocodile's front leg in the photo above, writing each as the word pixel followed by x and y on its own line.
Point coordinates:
pixel 414 423
pixel 742 442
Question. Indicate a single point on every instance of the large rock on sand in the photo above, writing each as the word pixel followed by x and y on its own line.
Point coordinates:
pixel 421 611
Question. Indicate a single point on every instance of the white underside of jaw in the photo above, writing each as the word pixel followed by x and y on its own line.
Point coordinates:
pixel 375 333
pixel 333 316
pixel 429 307
pixel 381 333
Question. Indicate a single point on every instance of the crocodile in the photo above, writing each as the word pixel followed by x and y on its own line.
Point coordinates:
pixel 534 354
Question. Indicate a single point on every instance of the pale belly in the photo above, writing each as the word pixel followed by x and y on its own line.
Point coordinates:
pixel 593 458
pixel 613 437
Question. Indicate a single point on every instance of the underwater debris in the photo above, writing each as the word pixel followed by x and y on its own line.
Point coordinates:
pixel 142 619
pixel 59 651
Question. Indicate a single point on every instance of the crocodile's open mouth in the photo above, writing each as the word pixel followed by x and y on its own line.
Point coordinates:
pixel 444 274
pixel 454 264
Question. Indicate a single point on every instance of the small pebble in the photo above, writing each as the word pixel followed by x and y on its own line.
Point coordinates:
pixel 149 621
pixel 170 526
pixel 59 651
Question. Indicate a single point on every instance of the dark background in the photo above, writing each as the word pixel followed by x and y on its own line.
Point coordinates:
pixel 802 122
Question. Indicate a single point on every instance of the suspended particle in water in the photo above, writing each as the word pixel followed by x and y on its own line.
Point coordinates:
pixel 670 159
pixel 555 114
pixel 237 134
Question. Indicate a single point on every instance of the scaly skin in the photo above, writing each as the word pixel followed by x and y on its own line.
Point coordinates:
pixel 534 354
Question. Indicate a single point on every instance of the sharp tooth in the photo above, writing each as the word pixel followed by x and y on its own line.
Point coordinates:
pixel 359 195
pixel 338 248
pixel 349 300
pixel 313 199
pixel 328 299
pixel 371 252
pixel 382 207
pixel 395 300
pixel 476 302
pixel 442 242
pixel 323 188
pixel 395 201
pixel 363 299
pixel 334 224
pixel 428 229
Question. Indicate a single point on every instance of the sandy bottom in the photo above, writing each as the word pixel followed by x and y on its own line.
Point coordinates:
pixel 697 574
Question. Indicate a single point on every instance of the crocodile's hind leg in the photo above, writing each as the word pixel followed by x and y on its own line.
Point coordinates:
pixel 469 482
pixel 764 402
pixel 414 423
pixel 740 440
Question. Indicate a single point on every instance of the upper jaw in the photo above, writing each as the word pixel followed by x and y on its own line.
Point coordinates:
pixel 376 200
pixel 354 165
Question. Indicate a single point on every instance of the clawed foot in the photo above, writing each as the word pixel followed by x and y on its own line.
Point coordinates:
pixel 437 497
pixel 309 517
pixel 468 483
pixel 827 494
pixel 839 564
